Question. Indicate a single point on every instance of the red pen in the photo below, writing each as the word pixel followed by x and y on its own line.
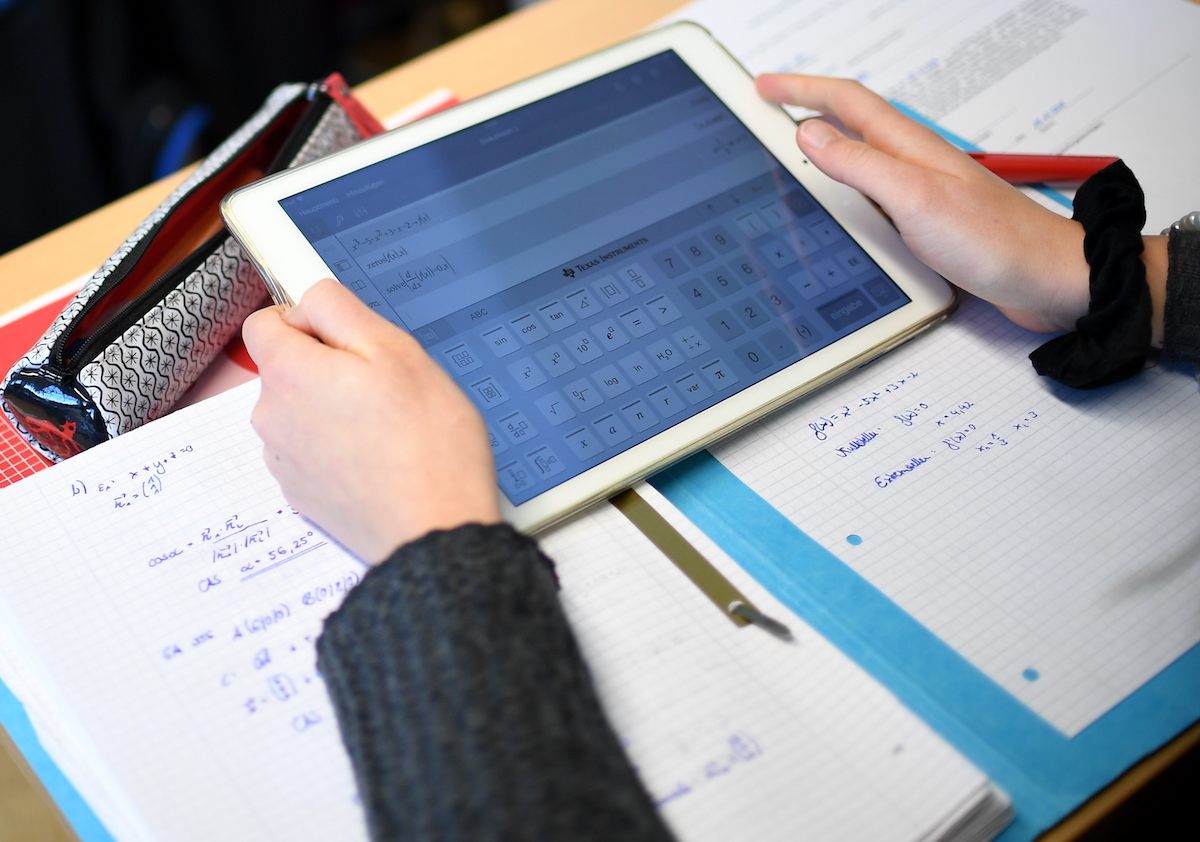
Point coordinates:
pixel 1052 169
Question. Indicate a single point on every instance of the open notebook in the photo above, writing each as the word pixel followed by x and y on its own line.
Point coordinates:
pixel 159 606
pixel 1017 561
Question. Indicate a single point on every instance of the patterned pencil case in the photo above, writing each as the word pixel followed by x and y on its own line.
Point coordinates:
pixel 143 328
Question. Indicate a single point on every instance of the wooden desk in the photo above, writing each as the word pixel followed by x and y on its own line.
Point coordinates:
pixel 516 46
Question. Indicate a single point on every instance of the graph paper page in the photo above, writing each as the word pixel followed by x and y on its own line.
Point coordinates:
pixel 167 601
pixel 736 734
pixel 1048 535
pixel 170 599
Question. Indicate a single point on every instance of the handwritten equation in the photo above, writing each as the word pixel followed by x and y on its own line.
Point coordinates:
pixel 202 595
pixel 822 426
pixel 238 549
pixel 263 658
pixel 737 750
pixel 882 419
pixel 139 482
pixel 968 437
pixel 236 625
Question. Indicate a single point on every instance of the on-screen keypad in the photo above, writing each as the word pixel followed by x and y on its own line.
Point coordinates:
pixel 615 353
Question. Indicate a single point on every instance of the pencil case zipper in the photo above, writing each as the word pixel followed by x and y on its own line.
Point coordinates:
pixel 98 339
pixel 108 364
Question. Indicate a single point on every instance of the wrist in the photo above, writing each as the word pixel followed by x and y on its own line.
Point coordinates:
pixel 1064 275
pixel 1049 280
pixel 478 506
pixel 1155 258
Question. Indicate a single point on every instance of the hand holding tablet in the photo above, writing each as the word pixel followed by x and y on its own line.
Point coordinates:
pixel 970 226
pixel 618 262
pixel 373 485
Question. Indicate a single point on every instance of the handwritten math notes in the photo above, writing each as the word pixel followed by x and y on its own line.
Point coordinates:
pixel 172 598
pixel 1046 534
pixel 164 600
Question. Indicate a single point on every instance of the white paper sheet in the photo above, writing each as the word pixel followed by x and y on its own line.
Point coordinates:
pixel 1086 77
pixel 169 599
pixel 1048 535
pixel 162 600
pixel 737 734
pixel 1065 562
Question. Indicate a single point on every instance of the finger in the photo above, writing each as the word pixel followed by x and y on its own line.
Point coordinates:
pixel 335 315
pixel 894 184
pixel 278 348
pixel 865 113
pixel 860 109
pixel 259 332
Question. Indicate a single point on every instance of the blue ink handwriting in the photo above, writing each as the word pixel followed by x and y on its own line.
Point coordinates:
pixel 887 479
pixel 857 443
pixel 737 750
pixel 826 422
pixel 906 417
pixel 955 439
pixel 957 412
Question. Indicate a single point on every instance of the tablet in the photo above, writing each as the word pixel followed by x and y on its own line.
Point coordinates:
pixel 620 261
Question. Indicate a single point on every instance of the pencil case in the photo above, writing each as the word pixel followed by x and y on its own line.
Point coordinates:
pixel 143 327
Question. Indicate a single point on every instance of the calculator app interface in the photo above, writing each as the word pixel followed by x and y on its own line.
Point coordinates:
pixel 596 266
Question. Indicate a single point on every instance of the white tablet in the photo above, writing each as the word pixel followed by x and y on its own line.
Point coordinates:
pixel 620 261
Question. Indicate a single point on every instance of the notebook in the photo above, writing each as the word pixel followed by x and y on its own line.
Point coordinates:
pixel 159 603
pixel 1016 560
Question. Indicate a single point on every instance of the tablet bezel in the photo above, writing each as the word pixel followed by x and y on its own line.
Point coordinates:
pixel 290 265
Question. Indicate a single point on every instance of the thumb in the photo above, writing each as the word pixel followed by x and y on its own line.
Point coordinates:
pixel 890 182
pixel 335 315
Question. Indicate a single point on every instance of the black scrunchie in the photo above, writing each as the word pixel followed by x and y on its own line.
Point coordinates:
pixel 1110 343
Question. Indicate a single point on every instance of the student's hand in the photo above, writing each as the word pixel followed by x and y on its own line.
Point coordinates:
pixel 366 435
pixel 961 220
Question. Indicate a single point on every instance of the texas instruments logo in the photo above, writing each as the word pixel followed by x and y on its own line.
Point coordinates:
pixel 569 272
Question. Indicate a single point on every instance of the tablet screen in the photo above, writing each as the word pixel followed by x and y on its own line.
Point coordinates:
pixel 596 266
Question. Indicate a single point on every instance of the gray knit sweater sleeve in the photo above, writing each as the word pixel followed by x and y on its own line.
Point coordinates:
pixel 1181 313
pixel 465 703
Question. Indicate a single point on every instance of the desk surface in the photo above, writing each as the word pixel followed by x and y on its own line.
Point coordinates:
pixel 516 46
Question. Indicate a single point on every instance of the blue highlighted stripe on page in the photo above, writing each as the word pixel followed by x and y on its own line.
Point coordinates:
pixel 74 809
pixel 1047 774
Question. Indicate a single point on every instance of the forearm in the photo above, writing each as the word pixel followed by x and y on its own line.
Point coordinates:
pixel 1155 258
pixel 465 704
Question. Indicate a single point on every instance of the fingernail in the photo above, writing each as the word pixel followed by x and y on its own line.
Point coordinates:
pixel 817 133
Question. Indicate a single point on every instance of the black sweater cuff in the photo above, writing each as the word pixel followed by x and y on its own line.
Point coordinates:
pixel 1181 314
pixel 465 703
